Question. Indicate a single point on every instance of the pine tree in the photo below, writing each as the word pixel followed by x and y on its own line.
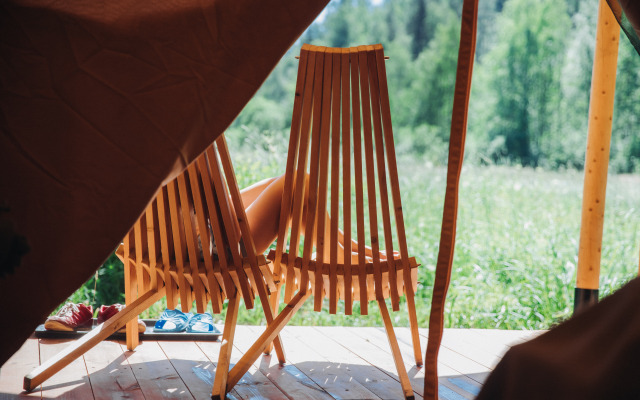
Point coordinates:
pixel 417 28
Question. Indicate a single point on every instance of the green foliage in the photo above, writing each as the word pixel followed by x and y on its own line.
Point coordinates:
pixel 525 78
pixel 516 252
pixel 625 144
pixel 435 74
pixel 418 28
pixel 105 287
pixel 531 85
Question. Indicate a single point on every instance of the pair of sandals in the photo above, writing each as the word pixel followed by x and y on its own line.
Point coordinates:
pixel 177 321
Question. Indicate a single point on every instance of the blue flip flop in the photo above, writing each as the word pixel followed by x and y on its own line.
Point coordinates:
pixel 172 321
pixel 201 323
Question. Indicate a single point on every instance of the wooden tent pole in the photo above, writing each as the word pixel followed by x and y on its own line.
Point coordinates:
pixel 603 84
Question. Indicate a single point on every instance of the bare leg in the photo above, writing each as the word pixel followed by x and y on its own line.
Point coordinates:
pixel 251 193
pixel 262 201
pixel 263 212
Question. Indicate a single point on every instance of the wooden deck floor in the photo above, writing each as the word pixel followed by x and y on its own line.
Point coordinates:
pixel 324 363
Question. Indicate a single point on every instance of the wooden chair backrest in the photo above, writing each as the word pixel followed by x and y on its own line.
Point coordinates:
pixel 342 140
pixel 172 240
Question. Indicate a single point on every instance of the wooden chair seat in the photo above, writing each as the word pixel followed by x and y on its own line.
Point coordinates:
pixel 355 276
pixel 263 264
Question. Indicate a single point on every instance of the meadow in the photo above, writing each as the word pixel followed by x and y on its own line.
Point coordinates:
pixel 517 242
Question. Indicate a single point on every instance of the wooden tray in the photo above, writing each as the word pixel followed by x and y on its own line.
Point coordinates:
pixel 149 334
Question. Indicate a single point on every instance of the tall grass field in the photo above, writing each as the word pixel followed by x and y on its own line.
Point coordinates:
pixel 516 250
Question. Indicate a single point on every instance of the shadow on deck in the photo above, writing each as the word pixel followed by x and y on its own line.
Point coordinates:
pixel 323 363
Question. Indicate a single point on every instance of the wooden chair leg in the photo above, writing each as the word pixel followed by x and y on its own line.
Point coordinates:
pixel 272 330
pixel 274 299
pixel 415 335
pixel 130 294
pixel 81 346
pixel 395 351
pixel 268 313
pixel 219 390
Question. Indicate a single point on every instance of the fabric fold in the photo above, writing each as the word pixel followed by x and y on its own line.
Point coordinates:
pixel 113 98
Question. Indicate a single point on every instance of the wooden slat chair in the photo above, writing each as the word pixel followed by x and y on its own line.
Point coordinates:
pixel 170 252
pixel 341 147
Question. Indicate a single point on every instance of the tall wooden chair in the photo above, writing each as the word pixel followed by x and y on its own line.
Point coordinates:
pixel 341 149
pixel 192 244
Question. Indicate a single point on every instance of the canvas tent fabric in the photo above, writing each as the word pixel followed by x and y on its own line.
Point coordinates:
pixel 100 103
pixel 594 355
pixel 627 12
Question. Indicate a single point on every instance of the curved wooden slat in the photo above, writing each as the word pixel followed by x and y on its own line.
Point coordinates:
pixel 143 282
pixel 153 240
pixel 390 279
pixel 230 226
pixel 166 244
pixel 177 230
pixel 357 165
pixel 191 264
pixel 322 165
pixel 369 167
pixel 312 182
pixel 335 178
pixel 299 181
pixel 229 286
pixel 346 177
pixel 292 156
pixel 205 238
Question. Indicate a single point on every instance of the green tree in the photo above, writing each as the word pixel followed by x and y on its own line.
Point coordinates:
pixel 339 23
pixel 525 77
pixel 417 28
pixel 625 141
pixel 434 80
pixel 566 146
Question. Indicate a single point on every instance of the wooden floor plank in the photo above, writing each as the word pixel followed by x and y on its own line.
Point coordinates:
pixel 110 374
pixel 323 363
pixel 69 383
pixel 468 376
pixel 155 374
pixel 475 337
pixel 374 345
pixel 456 361
pixel 458 341
pixel 253 385
pixel 288 378
pixel 508 337
pixel 193 366
pixel 13 371
pixel 384 384
pixel 332 377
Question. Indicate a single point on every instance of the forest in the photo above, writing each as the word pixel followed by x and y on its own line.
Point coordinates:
pixel 531 84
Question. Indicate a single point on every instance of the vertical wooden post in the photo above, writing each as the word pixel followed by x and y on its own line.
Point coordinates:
pixel 603 84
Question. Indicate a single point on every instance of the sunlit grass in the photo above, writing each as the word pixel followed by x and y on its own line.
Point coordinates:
pixel 517 245
pixel 517 242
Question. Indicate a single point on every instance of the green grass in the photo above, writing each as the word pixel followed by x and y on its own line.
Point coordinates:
pixel 517 242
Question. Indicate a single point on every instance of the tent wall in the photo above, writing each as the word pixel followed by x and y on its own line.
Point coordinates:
pixel 101 102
